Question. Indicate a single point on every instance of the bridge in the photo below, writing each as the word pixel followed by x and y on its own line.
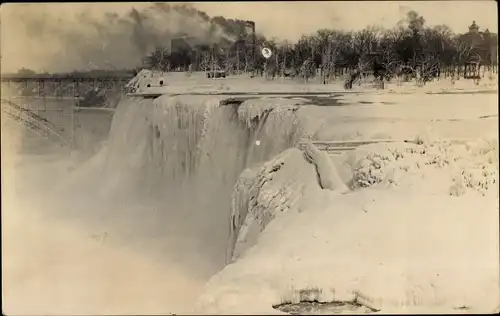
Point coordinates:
pixel 33 122
pixel 48 85
pixel 24 99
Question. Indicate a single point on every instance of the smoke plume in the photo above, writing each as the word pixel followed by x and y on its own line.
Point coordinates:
pixel 62 37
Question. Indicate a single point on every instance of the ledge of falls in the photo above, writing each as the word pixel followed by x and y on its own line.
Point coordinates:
pixel 177 159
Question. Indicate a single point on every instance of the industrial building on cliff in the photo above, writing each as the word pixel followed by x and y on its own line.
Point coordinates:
pixel 185 52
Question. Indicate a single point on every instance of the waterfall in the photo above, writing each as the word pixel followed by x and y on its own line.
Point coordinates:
pixel 188 152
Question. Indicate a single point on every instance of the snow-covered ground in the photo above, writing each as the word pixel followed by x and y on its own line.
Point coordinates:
pixel 382 116
pixel 394 251
pixel 155 82
pixel 419 233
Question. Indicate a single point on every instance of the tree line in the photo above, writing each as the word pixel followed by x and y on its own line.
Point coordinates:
pixel 410 48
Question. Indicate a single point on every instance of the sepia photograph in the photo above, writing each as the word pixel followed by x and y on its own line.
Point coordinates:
pixel 258 158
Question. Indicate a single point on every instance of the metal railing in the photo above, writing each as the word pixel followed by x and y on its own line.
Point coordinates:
pixel 34 122
pixel 338 147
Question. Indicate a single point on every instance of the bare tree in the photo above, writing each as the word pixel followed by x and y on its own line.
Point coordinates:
pixel 307 70
pixel 427 67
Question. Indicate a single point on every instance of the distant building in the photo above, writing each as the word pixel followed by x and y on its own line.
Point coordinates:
pixel 485 44
pixel 186 52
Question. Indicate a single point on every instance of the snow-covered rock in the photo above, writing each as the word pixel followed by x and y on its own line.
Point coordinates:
pixel 403 242
pixel 265 192
pixel 134 83
pixel 433 165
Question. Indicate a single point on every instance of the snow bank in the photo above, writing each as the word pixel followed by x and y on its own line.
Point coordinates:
pixel 423 107
pixel 488 83
pixel 407 243
pixel 393 253
pixel 437 166
pixel 175 82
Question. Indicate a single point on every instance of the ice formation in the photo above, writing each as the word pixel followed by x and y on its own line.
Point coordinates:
pixel 391 249
pixel 415 235
pixel 263 193
pixel 327 172
pixel 190 151
pixel 278 186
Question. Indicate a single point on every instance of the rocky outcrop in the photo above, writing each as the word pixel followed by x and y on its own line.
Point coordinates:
pixel 263 193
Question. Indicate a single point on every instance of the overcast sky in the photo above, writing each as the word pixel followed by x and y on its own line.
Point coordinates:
pixel 288 20
pixel 59 34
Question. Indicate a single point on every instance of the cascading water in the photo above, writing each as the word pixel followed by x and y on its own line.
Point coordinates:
pixel 187 152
